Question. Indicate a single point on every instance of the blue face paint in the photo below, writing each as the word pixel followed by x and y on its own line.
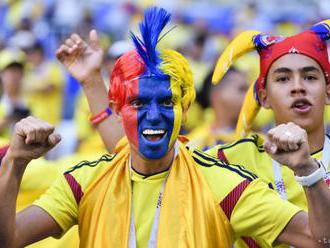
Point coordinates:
pixel 155 117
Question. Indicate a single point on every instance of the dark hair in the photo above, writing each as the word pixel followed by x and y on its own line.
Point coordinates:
pixel 203 96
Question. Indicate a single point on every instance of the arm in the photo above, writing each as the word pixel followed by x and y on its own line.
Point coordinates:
pixel 288 144
pixel 84 62
pixel 30 140
pixel 298 234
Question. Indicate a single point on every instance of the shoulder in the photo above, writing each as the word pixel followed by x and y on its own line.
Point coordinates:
pixel 222 178
pixel 205 160
pixel 239 151
pixel 90 166
pixel 253 141
pixel 85 172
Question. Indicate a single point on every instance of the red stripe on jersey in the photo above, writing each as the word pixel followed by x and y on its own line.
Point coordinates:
pixel 3 151
pixel 251 243
pixel 232 198
pixel 75 187
pixel 222 156
pixel 229 203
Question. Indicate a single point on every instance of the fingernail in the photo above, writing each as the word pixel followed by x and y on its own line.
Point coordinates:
pixel 273 149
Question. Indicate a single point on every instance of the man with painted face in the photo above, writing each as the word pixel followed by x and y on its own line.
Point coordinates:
pixel 294 84
pixel 154 191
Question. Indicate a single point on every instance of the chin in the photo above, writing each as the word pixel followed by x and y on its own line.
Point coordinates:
pixel 308 124
pixel 154 153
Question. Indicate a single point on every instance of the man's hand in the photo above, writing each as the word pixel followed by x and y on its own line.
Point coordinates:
pixel 288 145
pixel 83 60
pixel 31 139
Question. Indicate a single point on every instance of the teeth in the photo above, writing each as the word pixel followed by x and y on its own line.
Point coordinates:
pixel 153 132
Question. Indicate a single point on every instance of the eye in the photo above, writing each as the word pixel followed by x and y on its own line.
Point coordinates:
pixel 167 103
pixel 282 79
pixel 137 103
pixel 310 78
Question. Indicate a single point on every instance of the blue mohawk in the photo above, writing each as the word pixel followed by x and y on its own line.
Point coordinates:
pixel 155 19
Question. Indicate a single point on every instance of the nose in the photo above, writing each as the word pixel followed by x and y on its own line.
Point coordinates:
pixel 298 87
pixel 153 114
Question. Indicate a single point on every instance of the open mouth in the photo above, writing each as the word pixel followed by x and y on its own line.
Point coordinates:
pixel 154 134
pixel 301 105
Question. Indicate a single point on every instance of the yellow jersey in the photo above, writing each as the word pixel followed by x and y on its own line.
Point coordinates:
pixel 250 207
pixel 249 152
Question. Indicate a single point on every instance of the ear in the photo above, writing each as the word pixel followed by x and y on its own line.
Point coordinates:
pixel 327 96
pixel 263 97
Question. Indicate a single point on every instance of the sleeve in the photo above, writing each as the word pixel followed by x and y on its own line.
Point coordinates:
pixel 60 203
pixel 260 213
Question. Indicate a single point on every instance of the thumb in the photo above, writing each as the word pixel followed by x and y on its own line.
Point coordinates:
pixel 94 39
pixel 270 147
pixel 54 139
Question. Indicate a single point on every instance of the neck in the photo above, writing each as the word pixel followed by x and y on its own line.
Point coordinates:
pixel 316 139
pixel 151 166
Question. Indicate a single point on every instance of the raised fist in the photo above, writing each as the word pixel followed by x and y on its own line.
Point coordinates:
pixel 288 145
pixel 31 139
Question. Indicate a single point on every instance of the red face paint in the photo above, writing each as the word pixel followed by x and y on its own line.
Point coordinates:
pixel 129 114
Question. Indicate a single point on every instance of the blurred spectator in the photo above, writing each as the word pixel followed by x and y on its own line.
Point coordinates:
pixel 114 52
pixel 12 106
pixel 201 29
pixel 225 100
pixel 43 85
pixel 87 136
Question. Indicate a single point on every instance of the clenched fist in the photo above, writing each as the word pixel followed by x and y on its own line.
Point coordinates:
pixel 31 139
pixel 288 145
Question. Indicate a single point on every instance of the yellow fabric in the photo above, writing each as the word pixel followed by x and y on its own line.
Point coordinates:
pixel 248 113
pixel 44 105
pixel 242 44
pixel 190 217
pixel 112 188
pixel 250 153
pixel 263 120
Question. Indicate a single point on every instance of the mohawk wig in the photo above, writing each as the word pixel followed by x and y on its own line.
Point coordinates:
pixel 147 61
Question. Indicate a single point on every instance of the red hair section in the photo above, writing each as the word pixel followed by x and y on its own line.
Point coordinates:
pixel 124 76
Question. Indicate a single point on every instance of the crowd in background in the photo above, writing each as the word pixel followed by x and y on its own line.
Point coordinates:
pixel 33 82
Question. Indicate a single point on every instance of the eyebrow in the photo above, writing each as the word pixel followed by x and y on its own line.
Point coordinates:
pixel 282 70
pixel 309 69
pixel 304 69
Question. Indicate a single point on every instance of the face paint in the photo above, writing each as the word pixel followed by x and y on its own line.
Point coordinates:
pixel 152 117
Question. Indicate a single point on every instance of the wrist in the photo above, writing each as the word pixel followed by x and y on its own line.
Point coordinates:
pixel 11 168
pixel 307 168
pixel 91 79
pixel 313 178
pixel 13 159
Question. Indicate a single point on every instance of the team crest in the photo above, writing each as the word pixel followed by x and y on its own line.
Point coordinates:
pixel 293 50
pixel 265 40
pixel 327 179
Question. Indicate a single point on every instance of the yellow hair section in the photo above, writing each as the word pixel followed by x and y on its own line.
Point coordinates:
pixel 182 85
pixel 242 44
pixel 324 22
pixel 177 67
pixel 248 113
